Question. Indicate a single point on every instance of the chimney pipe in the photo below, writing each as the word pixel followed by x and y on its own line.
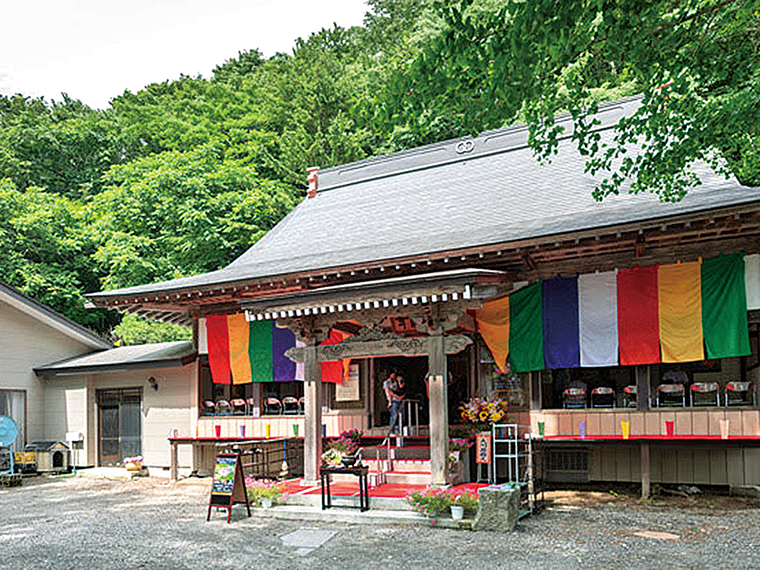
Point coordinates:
pixel 313 181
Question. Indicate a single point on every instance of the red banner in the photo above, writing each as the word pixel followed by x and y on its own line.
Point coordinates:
pixel 638 316
pixel 483 448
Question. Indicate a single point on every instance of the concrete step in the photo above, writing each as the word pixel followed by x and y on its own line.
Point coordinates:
pixel 402 465
pixel 409 452
pixel 403 477
pixel 342 514
pixel 376 503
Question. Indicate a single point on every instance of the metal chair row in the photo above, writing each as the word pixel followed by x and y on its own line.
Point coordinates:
pixel 735 393
pixel 240 406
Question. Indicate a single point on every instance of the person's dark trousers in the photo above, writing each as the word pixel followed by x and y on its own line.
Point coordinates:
pixel 396 412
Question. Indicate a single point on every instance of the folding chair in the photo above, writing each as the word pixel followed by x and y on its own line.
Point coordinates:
pixel 209 407
pixel 290 405
pixel 603 397
pixel 301 404
pixel 702 393
pixel 630 397
pixel 738 394
pixel 671 395
pixel 223 408
pixel 574 398
pixel 273 406
pixel 238 406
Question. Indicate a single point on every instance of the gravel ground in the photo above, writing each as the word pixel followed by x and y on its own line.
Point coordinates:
pixel 78 522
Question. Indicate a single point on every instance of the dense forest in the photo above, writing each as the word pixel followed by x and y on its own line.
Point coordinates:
pixel 183 176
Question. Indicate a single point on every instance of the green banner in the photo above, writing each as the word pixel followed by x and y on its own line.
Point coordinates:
pixel 526 329
pixel 260 351
pixel 724 307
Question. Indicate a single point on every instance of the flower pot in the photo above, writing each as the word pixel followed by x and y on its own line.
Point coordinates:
pixel 266 502
pixel 133 466
pixel 457 512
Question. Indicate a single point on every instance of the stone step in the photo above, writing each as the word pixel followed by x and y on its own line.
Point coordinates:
pixel 402 465
pixel 402 477
pixel 409 452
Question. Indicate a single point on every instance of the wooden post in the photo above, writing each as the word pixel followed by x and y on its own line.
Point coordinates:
pixel 645 471
pixel 642 388
pixel 312 453
pixel 173 471
pixel 535 390
pixel 439 416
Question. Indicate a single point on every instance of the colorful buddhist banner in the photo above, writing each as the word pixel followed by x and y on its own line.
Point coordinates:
pixel 241 352
pixel 724 307
pixel 559 305
pixel 493 326
pixel 597 319
pixel 752 281
pixel 526 335
pixel 638 316
pixel 680 308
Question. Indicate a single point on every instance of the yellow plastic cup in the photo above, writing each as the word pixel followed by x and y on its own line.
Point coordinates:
pixel 626 427
pixel 268 430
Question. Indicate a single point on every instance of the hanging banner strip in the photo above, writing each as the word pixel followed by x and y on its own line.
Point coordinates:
pixel 680 305
pixel 638 316
pixel 597 319
pixel 493 326
pixel 724 307
pixel 560 322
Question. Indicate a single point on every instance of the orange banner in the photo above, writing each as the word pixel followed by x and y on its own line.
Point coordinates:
pixel 240 362
pixel 493 325
pixel 680 307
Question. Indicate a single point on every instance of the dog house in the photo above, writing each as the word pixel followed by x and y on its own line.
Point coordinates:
pixel 52 456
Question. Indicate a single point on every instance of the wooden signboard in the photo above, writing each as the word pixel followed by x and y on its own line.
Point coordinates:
pixel 483 448
pixel 228 486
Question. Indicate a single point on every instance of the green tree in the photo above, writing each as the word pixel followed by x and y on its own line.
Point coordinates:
pixel 135 330
pixel 696 62
pixel 177 213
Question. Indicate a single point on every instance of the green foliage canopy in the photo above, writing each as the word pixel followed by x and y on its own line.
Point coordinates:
pixel 697 63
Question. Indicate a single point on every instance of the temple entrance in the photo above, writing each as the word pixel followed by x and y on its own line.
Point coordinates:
pixel 413 369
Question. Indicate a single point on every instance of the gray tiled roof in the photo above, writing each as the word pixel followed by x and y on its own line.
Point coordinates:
pixel 434 199
pixel 161 354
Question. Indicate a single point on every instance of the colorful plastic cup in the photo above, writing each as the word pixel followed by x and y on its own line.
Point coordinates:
pixel 242 431
pixel 218 430
pixel 670 428
pixel 324 430
pixel 295 430
pixel 268 431
pixel 541 429
pixel 626 429
pixel 582 429
pixel 724 429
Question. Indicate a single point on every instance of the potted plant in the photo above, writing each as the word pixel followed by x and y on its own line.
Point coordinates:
pixel 467 501
pixel 262 493
pixel 133 463
pixel 431 502
pixel 455 468
pixel 343 450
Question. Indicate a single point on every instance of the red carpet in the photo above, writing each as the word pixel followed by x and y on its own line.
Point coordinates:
pixel 351 489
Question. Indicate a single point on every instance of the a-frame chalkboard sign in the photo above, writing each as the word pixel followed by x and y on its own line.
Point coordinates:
pixel 228 486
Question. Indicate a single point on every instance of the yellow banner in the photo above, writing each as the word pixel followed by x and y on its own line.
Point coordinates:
pixel 240 361
pixel 493 325
pixel 680 299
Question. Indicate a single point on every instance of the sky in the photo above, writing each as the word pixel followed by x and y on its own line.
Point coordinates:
pixel 94 50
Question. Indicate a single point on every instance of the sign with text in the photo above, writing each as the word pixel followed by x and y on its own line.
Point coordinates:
pixel 228 486
pixel 483 448
pixel 348 390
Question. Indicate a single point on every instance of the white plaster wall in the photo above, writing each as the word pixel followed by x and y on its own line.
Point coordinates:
pixel 26 343
pixel 66 411
pixel 169 407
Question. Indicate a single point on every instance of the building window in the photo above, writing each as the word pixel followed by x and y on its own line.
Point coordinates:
pixel 13 405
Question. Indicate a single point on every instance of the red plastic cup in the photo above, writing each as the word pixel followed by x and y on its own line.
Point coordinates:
pixel 218 430
pixel 670 428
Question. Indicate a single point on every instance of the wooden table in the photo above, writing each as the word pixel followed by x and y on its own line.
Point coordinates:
pixel 360 471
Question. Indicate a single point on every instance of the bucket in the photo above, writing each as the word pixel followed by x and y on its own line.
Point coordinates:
pixel 582 429
pixel 670 428
pixel 724 429
pixel 626 429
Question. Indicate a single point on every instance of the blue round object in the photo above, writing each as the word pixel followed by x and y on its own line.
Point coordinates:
pixel 8 431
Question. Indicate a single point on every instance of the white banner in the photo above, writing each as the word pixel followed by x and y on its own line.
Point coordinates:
pixel 597 319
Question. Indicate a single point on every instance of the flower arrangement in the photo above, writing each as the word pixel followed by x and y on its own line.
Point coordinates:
pixel 467 500
pixel 347 444
pixel 136 459
pixel 460 444
pixel 259 490
pixel 431 502
pixel 482 412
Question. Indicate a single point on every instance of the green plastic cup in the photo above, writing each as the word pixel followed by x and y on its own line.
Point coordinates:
pixel 295 430
pixel 541 429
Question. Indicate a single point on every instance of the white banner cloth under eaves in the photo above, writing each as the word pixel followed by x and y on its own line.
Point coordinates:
pixel 597 319
pixel 752 280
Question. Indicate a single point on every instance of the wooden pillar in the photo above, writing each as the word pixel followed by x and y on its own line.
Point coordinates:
pixel 174 470
pixel 312 452
pixel 646 478
pixel 439 405
pixel 642 388
pixel 535 390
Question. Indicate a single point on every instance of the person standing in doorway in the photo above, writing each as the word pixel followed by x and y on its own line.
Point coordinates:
pixel 394 397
